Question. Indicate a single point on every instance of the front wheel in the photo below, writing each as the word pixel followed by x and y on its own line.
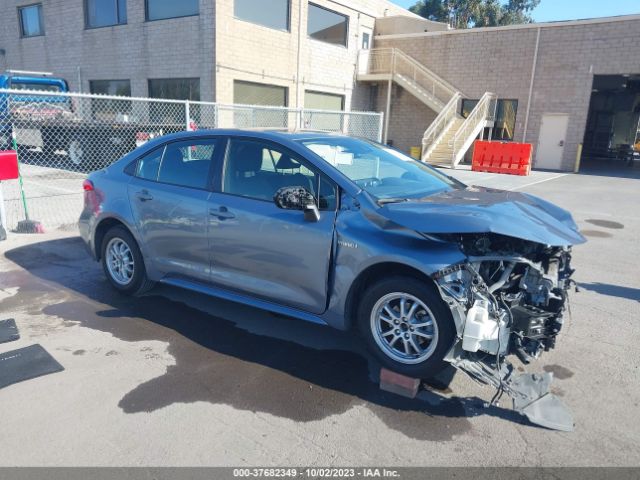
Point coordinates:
pixel 122 262
pixel 406 325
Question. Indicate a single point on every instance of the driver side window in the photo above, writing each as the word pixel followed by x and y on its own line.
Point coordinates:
pixel 258 170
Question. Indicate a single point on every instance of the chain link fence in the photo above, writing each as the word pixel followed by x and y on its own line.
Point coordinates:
pixel 61 137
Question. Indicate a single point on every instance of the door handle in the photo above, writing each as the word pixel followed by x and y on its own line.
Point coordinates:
pixel 144 196
pixel 561 144
pixel 222 213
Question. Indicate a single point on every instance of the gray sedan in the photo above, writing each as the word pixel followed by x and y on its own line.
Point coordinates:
pixel 347 233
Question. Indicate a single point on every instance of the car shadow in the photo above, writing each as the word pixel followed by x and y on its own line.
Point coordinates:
pixel 613 290
pixel 609 168
pixel 222 361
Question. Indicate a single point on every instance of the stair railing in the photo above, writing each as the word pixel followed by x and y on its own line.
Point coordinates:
pixel 424 78
pixel 393 61
pixel 441 123
pixel 378 61
pixel 485 111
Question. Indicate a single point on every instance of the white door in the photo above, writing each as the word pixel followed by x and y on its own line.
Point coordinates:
pixel 366 38
pixel 553 133
pixel 366 42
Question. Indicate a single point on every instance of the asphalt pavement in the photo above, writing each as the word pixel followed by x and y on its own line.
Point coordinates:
pixel 179 379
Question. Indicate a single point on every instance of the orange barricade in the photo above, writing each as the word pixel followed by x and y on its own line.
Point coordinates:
pixel 498 157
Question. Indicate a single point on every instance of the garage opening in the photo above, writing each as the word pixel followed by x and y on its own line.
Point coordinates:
pixel 612 135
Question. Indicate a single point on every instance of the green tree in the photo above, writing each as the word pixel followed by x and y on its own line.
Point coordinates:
pixel 476 13
pixel 431 10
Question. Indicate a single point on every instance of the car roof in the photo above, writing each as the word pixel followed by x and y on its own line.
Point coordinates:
pixel 265 133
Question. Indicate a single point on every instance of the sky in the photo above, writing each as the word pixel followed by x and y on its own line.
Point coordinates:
pixel 551 10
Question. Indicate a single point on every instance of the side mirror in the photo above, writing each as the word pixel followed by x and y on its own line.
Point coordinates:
pixel 298 198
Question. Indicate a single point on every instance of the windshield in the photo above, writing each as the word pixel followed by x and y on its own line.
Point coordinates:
pixel 383 172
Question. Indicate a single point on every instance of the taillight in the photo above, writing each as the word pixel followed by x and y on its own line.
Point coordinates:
pixel 87 186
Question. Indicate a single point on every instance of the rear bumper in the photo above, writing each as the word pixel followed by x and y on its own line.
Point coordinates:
pixel 86 233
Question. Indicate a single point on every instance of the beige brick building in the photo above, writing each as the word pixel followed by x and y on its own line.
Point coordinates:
pixel 214 43
pixel 550 69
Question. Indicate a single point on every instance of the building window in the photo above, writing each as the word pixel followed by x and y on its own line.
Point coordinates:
pixel 110 109
pixel 161 9
pixel 468 106
pixel 121 88
pixel 269 13
pixel 105 13
pixel 366 40
pixel 249 93
pixel 31 24
pixel 174 89
pixel 505 123
pixel 323 101
pixel 505 120
pixel 327 26
pixel 317 120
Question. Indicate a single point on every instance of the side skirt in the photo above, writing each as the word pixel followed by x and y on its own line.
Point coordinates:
pixel 246 300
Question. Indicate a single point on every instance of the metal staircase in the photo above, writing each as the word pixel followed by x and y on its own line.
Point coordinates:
pixel 450 135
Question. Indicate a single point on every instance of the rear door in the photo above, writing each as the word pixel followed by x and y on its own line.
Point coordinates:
pixel 168 197
pixel 260 249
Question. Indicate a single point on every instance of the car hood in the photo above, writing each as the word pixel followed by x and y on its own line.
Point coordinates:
pixel 484 210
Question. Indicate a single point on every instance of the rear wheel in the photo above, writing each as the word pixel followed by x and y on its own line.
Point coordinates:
pixel 406 325
pixel 122 262
pixel 77 152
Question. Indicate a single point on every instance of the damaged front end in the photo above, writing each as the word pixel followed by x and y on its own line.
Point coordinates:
pixel 509 298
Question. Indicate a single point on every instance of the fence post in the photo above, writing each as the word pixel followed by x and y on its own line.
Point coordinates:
pixel 187 112
pixel 216 115
pixel 380 127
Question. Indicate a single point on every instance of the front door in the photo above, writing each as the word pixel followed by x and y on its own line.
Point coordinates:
pixel 168 198
pixel 553 133
pixel 260 249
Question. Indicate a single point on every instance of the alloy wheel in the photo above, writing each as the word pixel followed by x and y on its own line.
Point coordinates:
pixel 120 261
pixel 404 328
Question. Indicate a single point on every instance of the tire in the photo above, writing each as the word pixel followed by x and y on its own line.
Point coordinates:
pixel 431 317
pixel 129 281
pixel 77 153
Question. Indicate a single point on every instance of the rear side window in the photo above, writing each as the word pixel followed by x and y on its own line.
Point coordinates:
pixel 186 164
pixel 149 165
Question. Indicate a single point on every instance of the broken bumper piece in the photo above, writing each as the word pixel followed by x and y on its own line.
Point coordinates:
pixel 530 392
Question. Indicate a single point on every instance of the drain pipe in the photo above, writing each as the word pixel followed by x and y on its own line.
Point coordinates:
pixel 533 77
pixel 299 67
pixel 79 79
pixel 388 112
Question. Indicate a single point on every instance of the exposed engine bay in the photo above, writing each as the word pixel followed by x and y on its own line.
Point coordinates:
pixel 509 298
